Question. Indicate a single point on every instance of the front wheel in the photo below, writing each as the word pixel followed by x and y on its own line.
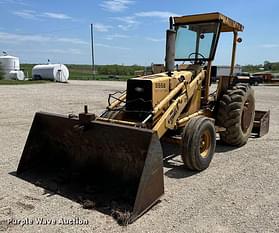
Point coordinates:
pixel 198 143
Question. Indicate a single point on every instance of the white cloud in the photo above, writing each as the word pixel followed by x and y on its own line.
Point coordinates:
pixel 6 1
pixel 127 19
pixel 157 14
pixel 114 36
pixel 130 22
pixel 11 38
pixel 124 27
pixel 62 51
pixel 29 14
pixel 99 27
pixel 26 14
pixel 18 38
pixel 110 46
pixel 17 2
pixel 72 41
pixel 115 5
pixel 154 39
pixel 56 15
pixel 270 46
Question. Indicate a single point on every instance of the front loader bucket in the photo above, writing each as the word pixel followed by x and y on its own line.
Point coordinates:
pixel 104 152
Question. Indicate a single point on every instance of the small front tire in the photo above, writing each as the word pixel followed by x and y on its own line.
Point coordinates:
pixel 198 143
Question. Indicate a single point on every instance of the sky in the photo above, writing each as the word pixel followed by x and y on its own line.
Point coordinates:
pixel 128 31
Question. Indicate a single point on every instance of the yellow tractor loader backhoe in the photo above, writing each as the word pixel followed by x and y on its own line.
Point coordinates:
pixel 122 147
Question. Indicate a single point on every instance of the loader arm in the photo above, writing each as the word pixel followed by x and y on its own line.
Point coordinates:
pixel 169 118
pixel 117 102
pixel 168 110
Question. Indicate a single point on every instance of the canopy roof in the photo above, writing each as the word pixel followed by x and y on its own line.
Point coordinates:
pixel 228 25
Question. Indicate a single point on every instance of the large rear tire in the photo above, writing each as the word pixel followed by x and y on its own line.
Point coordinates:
pixel 198 143
pixel 236 113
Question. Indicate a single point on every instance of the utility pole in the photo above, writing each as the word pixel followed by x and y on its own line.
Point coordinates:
pixel 92 52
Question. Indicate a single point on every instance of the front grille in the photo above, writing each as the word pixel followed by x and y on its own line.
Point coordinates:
pixel 139 95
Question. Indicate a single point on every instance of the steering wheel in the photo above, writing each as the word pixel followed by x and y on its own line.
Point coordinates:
pixel 200 61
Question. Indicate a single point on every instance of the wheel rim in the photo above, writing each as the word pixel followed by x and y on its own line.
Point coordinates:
pixel 246 116
pixel 205 144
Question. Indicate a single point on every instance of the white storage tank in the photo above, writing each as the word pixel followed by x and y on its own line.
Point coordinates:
pixel 16 75
pixel 9 63
pixel 55 72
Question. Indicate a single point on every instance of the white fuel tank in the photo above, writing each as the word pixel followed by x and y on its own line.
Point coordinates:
pixel 55 72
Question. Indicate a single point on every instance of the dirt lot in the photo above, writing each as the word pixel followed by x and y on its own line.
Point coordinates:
pixel 238 193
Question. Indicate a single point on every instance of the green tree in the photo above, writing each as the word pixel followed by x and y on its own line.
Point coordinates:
pixel 275 66
pixel 267 65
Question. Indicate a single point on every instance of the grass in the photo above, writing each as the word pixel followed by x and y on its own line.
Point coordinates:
pixel 77 72
pixel 84 72
pixel 99 77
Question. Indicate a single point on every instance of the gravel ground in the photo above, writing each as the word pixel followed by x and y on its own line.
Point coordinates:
pixel 238 193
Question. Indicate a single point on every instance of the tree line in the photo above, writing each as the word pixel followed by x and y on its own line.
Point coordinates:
pixel 267 66
pixel 122 70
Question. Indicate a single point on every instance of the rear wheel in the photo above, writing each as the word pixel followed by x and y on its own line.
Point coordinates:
pixel 198 143
pixel 236 113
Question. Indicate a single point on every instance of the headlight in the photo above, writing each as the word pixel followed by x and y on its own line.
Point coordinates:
pixel 139 89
